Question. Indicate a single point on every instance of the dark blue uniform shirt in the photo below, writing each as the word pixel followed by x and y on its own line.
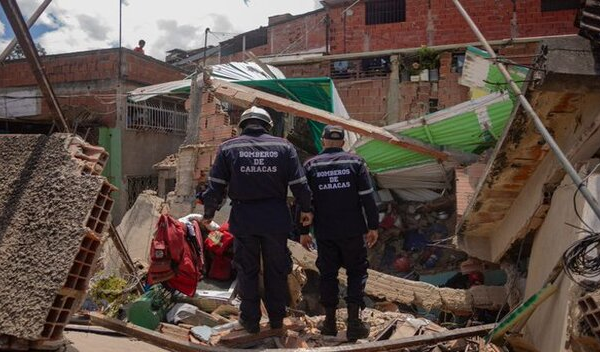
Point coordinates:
pixel 341 189
pixel 257 170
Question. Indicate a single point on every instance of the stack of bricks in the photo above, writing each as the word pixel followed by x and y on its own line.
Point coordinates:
pixel 365 100
pixel 590 308
pixel 214 124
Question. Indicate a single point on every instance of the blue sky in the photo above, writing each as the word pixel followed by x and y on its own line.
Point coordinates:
pixel 76 25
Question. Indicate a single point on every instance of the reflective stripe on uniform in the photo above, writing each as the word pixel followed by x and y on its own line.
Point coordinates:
pixel 296 181
pixel 217 180
pixel 335 162
pixel 254 144
pixel 365 192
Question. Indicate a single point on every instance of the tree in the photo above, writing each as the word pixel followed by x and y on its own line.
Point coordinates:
pixel 17 52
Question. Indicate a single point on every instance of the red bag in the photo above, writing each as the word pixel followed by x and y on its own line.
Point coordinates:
pixel 160 261
pixel 170 244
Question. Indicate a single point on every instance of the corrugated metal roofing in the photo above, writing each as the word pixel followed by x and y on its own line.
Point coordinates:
pixel 467 127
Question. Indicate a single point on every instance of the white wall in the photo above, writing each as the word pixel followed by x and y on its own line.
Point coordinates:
pixel 547 328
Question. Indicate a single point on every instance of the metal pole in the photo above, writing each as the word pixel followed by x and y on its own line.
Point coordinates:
pixel 205 44
pixel 562 159
pixel 30 21
pixel 120 41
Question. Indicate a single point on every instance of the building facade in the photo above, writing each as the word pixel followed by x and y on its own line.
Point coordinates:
pixel 371 48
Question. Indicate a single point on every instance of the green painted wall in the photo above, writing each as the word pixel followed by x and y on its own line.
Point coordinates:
pixel 110 140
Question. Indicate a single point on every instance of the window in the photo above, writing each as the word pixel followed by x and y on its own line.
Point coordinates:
pixel 433 105
pixel 385 11
pixel 374 67
pixel 557 5
pixel 458 62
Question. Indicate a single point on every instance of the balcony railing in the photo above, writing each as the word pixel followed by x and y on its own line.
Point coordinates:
pixel 146 117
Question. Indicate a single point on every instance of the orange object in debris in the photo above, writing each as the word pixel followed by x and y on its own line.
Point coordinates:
pixel 402 264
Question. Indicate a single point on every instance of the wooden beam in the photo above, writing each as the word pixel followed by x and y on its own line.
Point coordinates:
pixel 19 27
pixel 147 335
pixel 240 338
pixel 245 97
pixel 30 21
pixel 125 257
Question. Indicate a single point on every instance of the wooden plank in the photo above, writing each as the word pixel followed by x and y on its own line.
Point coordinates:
pixel 240 338
pixel 125 257
pixel 387 331
pixel 414 341
pixel 174 331
pixel 146 335
pixel 245 96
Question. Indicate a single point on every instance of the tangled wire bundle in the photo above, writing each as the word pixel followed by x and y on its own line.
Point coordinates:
pixel 582 262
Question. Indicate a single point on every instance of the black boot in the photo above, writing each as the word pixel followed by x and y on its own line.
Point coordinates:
pixel 329 326
pixel 356 328
pixel 249 326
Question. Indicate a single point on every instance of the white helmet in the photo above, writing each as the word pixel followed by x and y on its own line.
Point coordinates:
pixel 256 113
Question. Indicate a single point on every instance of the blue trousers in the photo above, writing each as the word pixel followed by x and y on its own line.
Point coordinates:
pixel 277 263
pixel 351 254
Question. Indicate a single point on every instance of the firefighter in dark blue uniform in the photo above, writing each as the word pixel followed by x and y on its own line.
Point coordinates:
pixel 341 191
pixel 256 169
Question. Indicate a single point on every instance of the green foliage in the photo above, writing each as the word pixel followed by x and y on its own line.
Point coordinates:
pixel 113 293
pixel 18 53
pixel 425 59
pixel 428 58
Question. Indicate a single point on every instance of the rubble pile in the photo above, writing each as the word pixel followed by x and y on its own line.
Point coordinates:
pixel 415 239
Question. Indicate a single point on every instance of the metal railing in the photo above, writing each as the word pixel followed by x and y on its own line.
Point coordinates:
pixel 356 69
pixel 147 117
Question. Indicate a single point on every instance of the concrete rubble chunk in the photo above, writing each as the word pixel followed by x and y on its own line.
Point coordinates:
pixel 137 230
pixel 45 204
pixel 409 292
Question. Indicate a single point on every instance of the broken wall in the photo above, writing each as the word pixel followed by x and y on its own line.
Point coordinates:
pixel 548 327
pixel 53 209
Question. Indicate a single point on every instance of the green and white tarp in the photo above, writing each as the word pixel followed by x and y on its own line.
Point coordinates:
pixel 471 127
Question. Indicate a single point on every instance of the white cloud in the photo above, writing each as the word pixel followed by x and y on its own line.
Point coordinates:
pixel 92 24
pixel 1 29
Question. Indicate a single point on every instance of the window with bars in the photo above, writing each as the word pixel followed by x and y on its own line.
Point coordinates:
pixel 138 184
pixel 385 11
pixel 557 5
pixel 365 68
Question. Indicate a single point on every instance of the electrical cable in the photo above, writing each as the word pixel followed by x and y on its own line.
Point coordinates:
pixel 581 261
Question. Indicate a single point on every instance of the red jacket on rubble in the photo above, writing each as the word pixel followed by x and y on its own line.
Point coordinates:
pixel 172 259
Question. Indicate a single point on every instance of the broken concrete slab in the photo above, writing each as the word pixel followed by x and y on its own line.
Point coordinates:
pixel 49 213
pixel 409 292
pixel 136 230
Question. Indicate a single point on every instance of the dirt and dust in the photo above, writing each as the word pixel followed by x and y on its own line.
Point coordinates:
pixel 43 206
